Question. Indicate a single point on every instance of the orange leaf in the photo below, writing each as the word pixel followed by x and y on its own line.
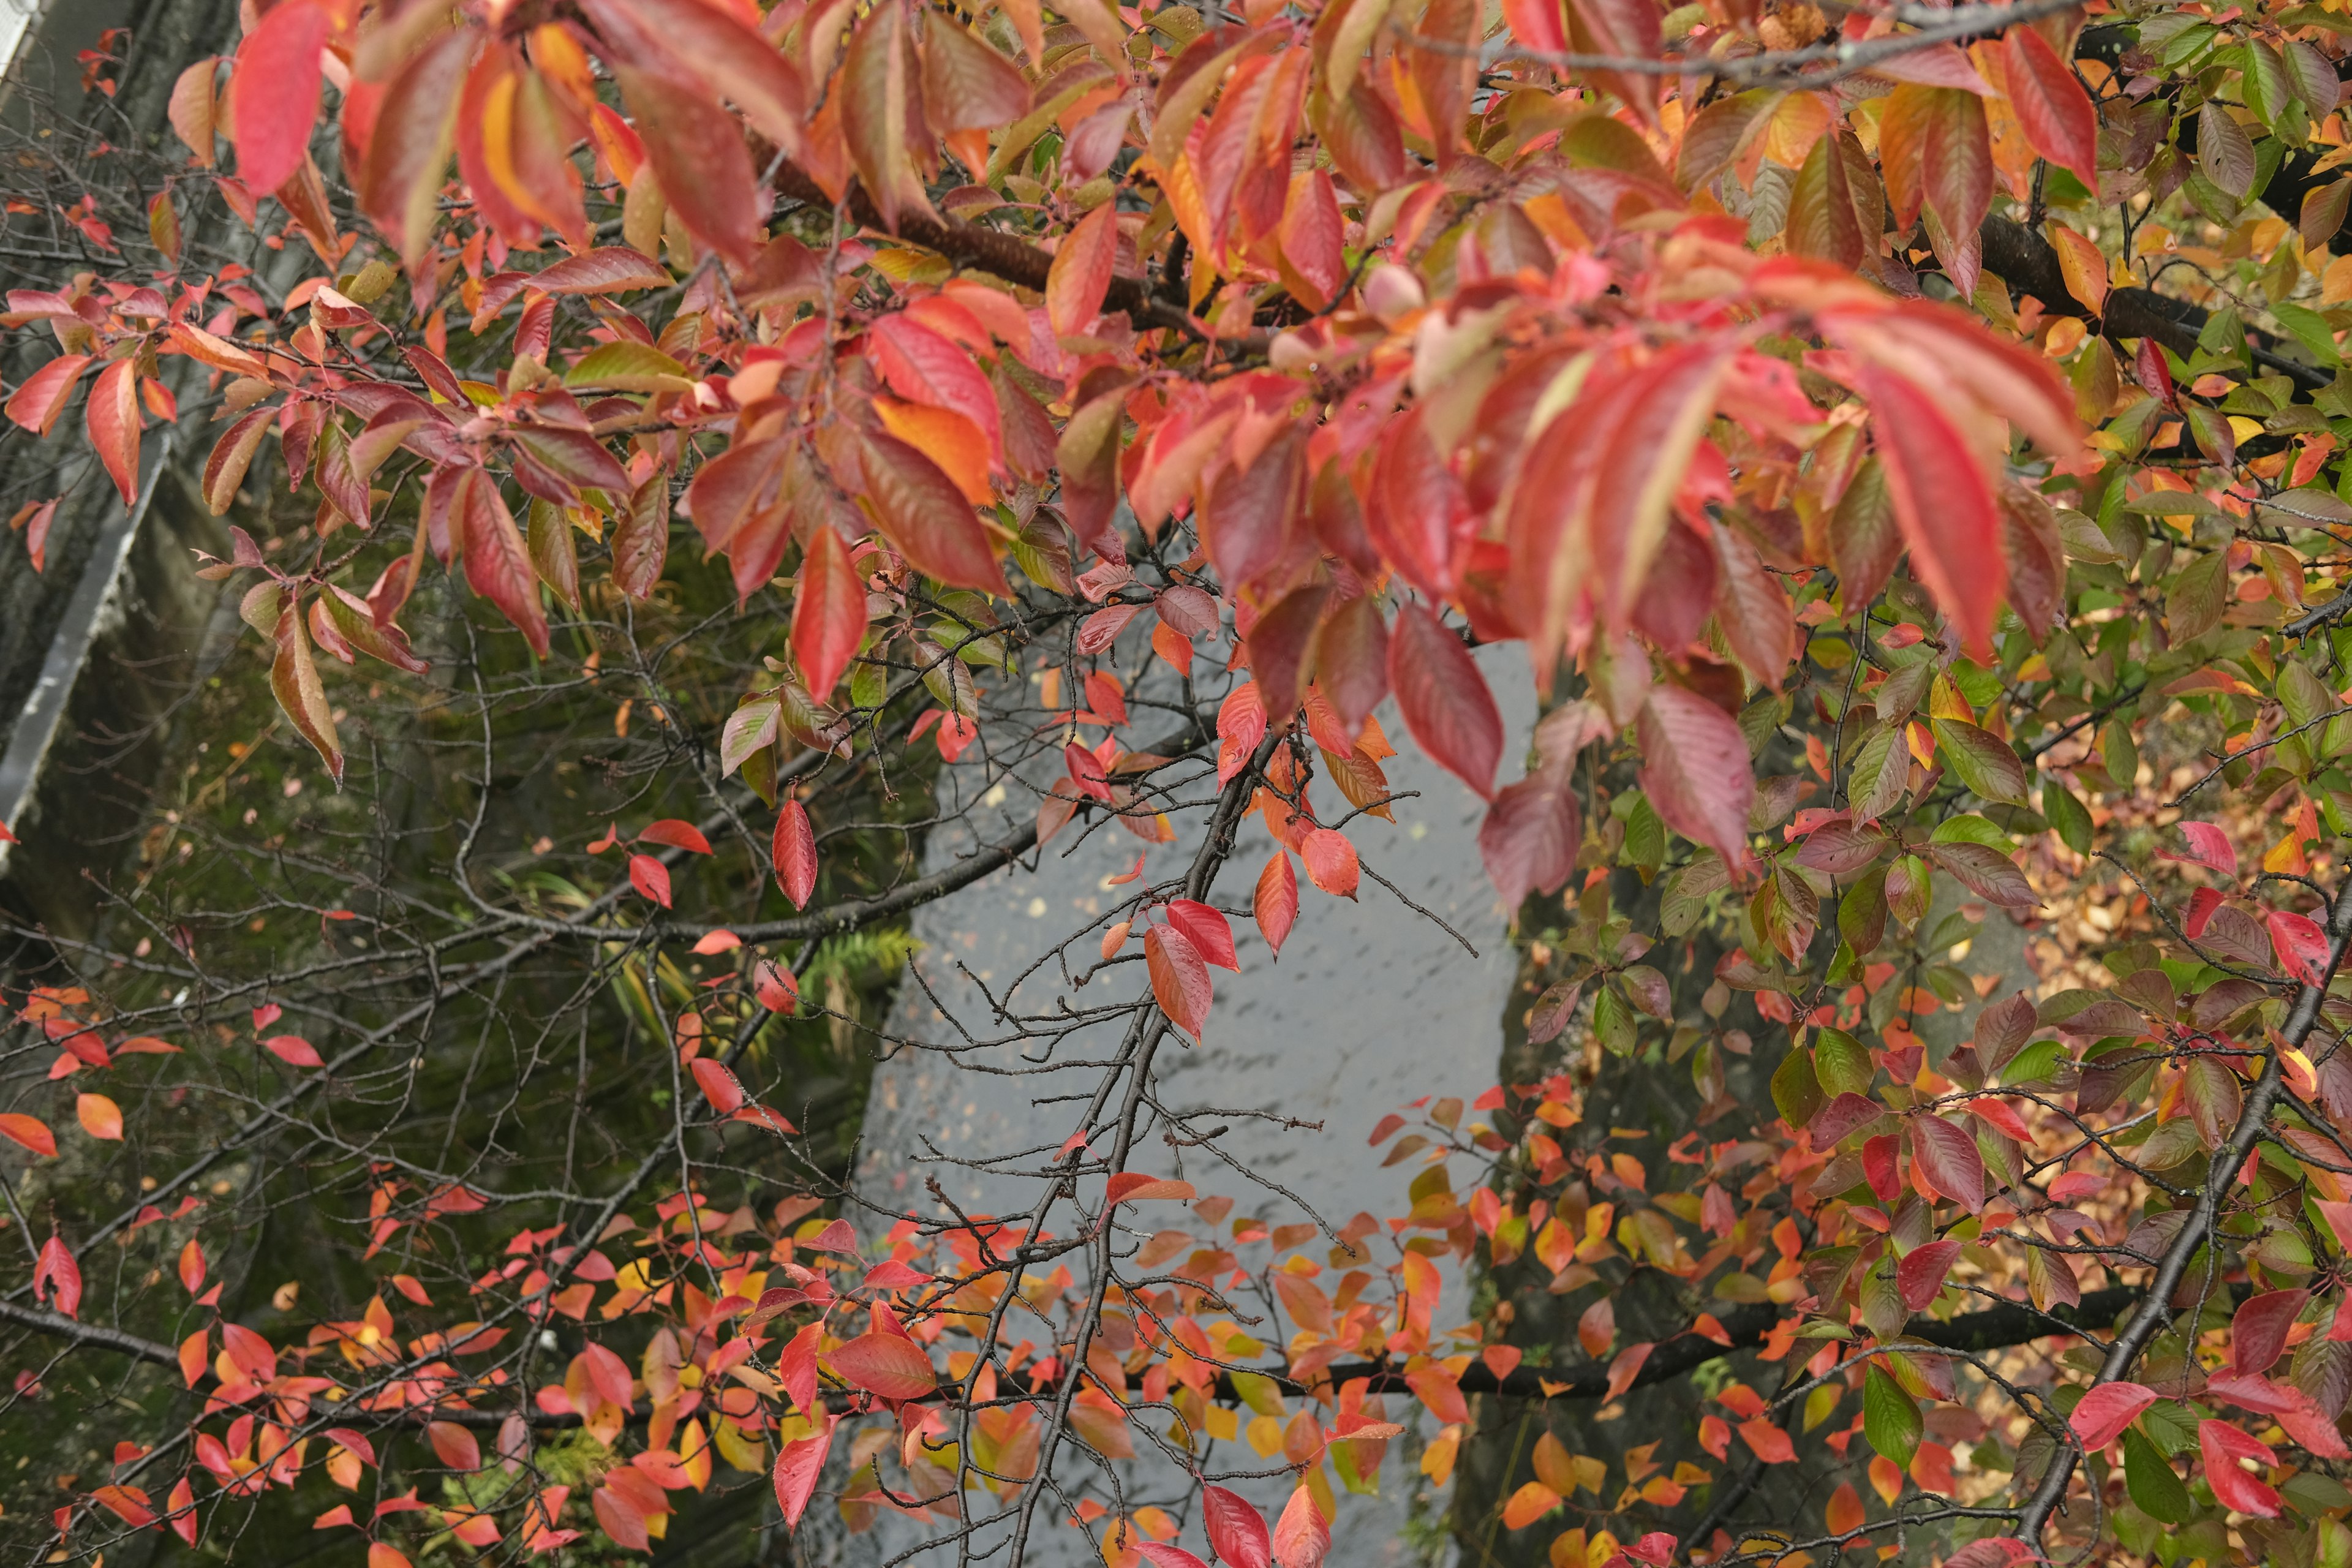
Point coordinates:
pixel 947 438
pixel 100 1117
pixel 1079 278
pixel 29 1130
pixel 113 420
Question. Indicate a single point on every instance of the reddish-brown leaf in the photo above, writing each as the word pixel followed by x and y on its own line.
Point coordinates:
pixel 1350 660
pixel 889 1365
pixel 112 418
pixel 922 366
pixel 294 680
pixel 454 1445
pixel 1943 501
pixel 1278 646
pixel 497 565
pixel 1180 980
pixel 699 156
pixel 794 851
pixel 2057 116
pixel 1081 276
pixel 276 92
pixel 641 539
pixel 1444 700
pixel 1695 771
pixel 1947 1154
pixel 927 519
pixel 408 150
pixel 1532 833
pixel 828 613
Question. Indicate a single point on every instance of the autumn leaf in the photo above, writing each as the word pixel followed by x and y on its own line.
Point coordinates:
pixel 276 95
pixel 1180 979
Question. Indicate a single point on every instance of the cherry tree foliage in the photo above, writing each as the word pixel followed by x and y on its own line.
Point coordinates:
pixel 1879 428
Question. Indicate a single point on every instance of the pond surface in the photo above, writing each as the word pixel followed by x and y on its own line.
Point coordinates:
pixel 1370 1006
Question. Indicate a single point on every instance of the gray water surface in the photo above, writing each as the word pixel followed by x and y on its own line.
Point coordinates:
pixel 1369 1006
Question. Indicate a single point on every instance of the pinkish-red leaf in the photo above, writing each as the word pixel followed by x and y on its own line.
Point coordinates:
pixel 1947 1154
pixel 1944 503
pixel 1920 1273
pixel 794 850
pixel 2222 1446
pixel 889 1365
pixel 112 417
pixel 677 834
pixel 2301 946
pixel 2056 115
pixel 2107 1410
pixel 797 1469
pixel 276 92
pixel 1237 1532
pixel 2258 1331
pixel 1210 934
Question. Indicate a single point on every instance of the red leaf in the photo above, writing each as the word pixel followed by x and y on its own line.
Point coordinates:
pixel 1694 771
pixel 1180 980
pixel 610 269
pixel 2201 905
pixel 2209 846
pixel 182 1504
pixel 777 988
pixel 926 517
pixel 1275 903
pixel 497 565
pixel 1086 771
pixel 293 1050
pixel 28 1130
pixel 2301 946
pixel 1164 1556
pixel 922 366
pixel 2056 115
pixel 2258 1333
pixel 276 92
pixel 678 835
pixel 454 1445
pixel 699 157
pixel 1943 502
pixel 1920 1273
pixel 650 877
pixel 56 1267
pixel 1237 1533
pixel 2107 1410
pixel 112 418
pixel 1531 835
pixel 828 613
pixel 41 400
pixel 1330 862
pixel 1767 1441
pixel 1444 700
pixel 1207 930
pixel 2222 1446
pixel 1999 1116
pixel 1081 276
pixel 1352 660
pixel 719 1085
pixel 1302 1535
pixel 192 1266
pixel 408 150
pixel 795 853
pixel 621 1520
pixel 608 1374
pixel 889 1365
pixel 797 1469
pixel 1948 1156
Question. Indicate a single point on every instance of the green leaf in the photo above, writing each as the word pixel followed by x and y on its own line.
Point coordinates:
pixel 1796 1091
pixel 629 367
pixel 1970 828
pixel 2152 1481
pixel 1983 761
pixel 2069 817
pixel 2310 328
pixel 1890 1418
pixel 1842 1063
pixel 2032 1064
